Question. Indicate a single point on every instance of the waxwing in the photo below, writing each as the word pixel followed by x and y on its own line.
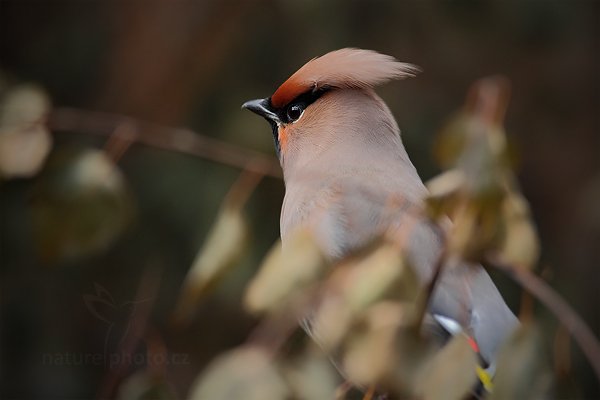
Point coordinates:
pixel 349 180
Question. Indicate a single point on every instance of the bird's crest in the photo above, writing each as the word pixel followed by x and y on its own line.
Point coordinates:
pixel 344 68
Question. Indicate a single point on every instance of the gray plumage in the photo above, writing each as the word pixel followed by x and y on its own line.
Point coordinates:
pixel 349 179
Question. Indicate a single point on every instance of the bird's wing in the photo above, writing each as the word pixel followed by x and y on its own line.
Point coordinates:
pixel 346 215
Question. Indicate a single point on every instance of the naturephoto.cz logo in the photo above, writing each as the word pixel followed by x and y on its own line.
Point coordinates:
pixel 123 323
pixel 112 360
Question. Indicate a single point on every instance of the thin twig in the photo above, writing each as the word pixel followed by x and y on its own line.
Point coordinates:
pixel 166 138
pixel 562 351
pixel 120 140
pixel 243 187
pixel 526 311
pixel 342 390
pixel 273 331
pixel 236 199
pixel 369 394
pixel 579 330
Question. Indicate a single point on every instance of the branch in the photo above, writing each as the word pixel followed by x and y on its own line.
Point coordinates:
pixel 579 330
pixel 162 137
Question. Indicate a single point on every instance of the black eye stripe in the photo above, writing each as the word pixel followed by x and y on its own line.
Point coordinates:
pixel 299 104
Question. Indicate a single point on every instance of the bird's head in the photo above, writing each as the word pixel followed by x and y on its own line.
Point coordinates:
pixel 328 102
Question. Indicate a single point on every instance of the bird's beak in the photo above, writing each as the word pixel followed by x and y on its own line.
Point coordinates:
pixel 263 108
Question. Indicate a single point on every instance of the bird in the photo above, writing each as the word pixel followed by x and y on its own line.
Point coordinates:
pixel 348 179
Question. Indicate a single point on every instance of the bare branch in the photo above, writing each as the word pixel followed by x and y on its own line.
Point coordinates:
pixel 579 330
pixel 243 187
pixel 162 137
pixel 120 140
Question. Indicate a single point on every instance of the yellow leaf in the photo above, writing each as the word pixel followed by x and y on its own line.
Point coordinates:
pixel 444 193
pixel 331 322
pixel 446 184
pixel 380 272
pixel 520 245
pixel 81 204
pixel 311 376
pixel 412 352
pixel 450 141
pixel 245 373
pixel 523 371
pixel 23 105
pixel 285 272
pixel 370 349
pixel 144 385
pixel 450 374
pixel 25 142
pixel 221 250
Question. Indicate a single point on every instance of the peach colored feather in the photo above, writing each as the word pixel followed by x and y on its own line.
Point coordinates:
pixel 344 68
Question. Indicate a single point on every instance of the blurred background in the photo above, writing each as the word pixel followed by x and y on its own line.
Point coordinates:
pixel 81 272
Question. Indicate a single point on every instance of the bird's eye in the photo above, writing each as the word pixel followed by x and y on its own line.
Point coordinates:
pixel 294 112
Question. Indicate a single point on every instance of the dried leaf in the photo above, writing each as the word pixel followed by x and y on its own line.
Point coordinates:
pixel 81 205
pixel 476 227
pixel 311 377
pixel 145 386
pixel 222 248
pixel 474 145
pixel 450 142
pixel 25 142
pixel 412 352
pixel 446 183
pixel 450 374
pixel 370 349
pixel 376 273
pixel 444 193
pixel 523 368
pixel 23 105
pixel 244 373
pixel 520 245
pixel 482 162
pixel 380 272
pixel 285 272
pixel 331 322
